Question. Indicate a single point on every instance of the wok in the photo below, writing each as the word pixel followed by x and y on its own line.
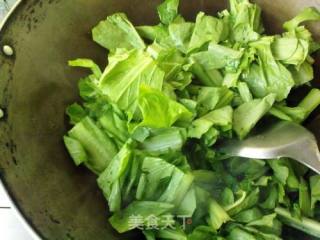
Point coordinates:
pixel 58 200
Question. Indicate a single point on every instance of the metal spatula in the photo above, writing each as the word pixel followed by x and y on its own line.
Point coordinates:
pixel 284 139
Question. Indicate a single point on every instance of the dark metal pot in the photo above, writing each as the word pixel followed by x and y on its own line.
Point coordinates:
pixel 59 200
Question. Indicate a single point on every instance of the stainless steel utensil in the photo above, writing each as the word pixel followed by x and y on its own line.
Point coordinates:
pixel 284 139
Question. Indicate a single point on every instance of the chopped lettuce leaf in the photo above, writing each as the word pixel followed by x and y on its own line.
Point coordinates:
pixel 178 187
pixel 265 221
pixel 310 102
pixel 221 117
pixel 76 113
pixel 246 21
pixel 304 198
pixel 172 63
pixel 284 172
pixel 244 92
pixel 174 234
pixel 76 150
pixel 302 74
pixel 150 121
pixel 203 232
pixel 150 235
pixel 188 204
pixel 280 169
pixel 218 57
pixel 301 112
pixel 180 34
pixel 315 190
pixel 249 215
pixel 292 51
pixel 122 79
pixel 227 197
pixel 210 98
pixel 114 122
pixel 304 224
pixel 163 141
pixel 261 233
pixel 121 220
pixel 308 14
pixel 217 215
pixel 156 171
pixel 109 180
pixel 268 75
pixel 249 169
pixel 239 234
pixel 246 202
pixel 168 11
pixel 208 77
pixel 159 111
pixel 87 63
pixel 153 33
pixel 293 114
pixel 99 147
pixel 117 32
pixel 247 115
pixel 207 29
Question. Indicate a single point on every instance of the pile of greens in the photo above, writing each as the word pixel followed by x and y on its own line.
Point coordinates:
pixel 150 120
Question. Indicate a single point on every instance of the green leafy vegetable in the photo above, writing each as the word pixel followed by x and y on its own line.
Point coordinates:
pixel 99 147
pixel 221 117
pixel 87 63
pixel 117 32
pixel 292 51
pixel 249 215
pixel 122 85
pixel 315 190
pixel 246 24
pixel 180 34
pixel 109 180
pixel 159 111
pixel 303 74
pixel 76 113
pixel 76 150
pixel 120 221
pixel 217 215
pixel 168 11
pixel 310 102
pixel 304 198
pixel 308 14
pixel 304 224
pixel 207 29
pixel 268 76
pixel 239 234
pixel 218 57
pixel 150 122
pixel 153 33
pixel 248 114
pixel 163 140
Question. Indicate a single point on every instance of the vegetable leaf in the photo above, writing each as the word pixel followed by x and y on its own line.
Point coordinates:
pixel 248 114
pixel 207 29
pixel 159 111
pixel 308 14
pixel 150 123
pixel 168 11
pixel 117 32
pixel 122 79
